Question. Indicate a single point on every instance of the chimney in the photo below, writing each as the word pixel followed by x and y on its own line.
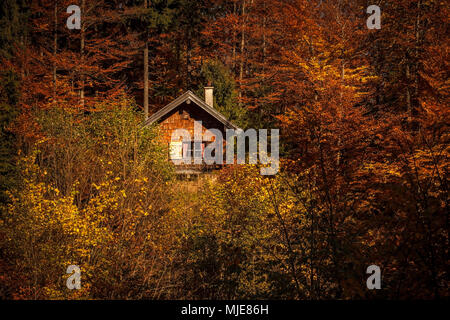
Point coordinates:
pixel 209 95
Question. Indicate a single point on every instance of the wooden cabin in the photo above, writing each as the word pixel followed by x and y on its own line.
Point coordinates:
pixel 182 113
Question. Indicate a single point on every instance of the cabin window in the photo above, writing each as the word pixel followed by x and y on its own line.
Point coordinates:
pixel 176 150
pixel 193 149
pixel 198 150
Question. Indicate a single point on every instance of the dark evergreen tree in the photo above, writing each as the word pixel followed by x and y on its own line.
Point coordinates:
pixel 216 73
pixel 13 17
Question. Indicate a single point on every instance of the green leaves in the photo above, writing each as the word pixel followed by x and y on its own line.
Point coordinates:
pixel 225 93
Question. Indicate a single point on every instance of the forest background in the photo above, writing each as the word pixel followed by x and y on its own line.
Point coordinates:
pixel 364 121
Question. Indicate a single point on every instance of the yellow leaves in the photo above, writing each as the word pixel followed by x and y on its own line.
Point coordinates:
pixel 394 172
pixel 40 219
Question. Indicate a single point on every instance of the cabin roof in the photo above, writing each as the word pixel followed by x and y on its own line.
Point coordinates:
pixel 189 95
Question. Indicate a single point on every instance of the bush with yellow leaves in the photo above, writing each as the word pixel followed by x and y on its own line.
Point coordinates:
pixel 93 193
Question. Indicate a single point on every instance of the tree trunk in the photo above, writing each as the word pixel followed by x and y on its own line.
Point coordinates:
pixel 188 57
pixel 264 40
pixel 55 49
pixel 241 68
pixel 146 69
pixel 82 44
pixel 417 66
pixel 408 94
pixel 234 39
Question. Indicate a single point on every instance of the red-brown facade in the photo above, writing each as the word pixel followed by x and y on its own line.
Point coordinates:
pixel 182 113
